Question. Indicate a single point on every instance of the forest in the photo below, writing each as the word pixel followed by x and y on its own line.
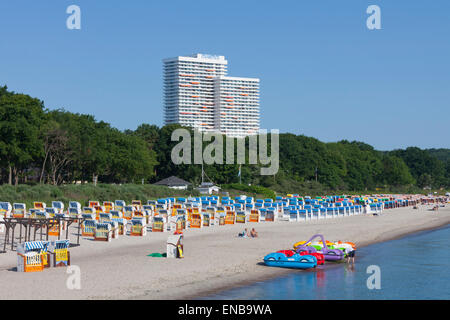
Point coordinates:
pixel 57 147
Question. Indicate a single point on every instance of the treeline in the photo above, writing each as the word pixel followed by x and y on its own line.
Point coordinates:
pixel 59 147
pixel 87 192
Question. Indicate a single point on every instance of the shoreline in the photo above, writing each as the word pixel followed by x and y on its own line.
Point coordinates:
pixel 284 272
pixel 215 259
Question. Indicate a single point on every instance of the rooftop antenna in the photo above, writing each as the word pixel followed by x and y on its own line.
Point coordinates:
pixel 204 174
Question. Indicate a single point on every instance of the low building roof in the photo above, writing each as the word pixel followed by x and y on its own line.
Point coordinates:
pixel 172 182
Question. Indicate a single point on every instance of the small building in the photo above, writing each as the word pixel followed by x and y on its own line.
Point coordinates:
pixel 208 188
pixel 173 183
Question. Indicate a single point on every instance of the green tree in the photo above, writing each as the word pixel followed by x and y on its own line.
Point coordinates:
pixel 20 119
pixel 395 172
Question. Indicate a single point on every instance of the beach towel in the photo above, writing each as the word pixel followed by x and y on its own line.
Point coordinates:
pixel 157 255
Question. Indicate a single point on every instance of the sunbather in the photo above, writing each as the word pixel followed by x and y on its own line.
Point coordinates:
pixel 243 234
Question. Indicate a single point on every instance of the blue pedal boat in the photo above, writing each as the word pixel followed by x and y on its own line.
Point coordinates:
pixel 296 261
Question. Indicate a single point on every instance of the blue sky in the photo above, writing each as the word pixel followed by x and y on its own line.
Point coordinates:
pixel 323 73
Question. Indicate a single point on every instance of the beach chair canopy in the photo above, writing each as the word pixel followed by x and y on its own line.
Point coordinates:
pixel 119 203
pixel 58 205
pixel 6 206
pixel 61 244
pixel 35 245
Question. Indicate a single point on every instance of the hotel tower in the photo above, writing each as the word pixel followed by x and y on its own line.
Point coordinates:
pixel 199 94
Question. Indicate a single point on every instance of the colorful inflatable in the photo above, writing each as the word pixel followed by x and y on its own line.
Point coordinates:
pixel 296 261
pixel 312 247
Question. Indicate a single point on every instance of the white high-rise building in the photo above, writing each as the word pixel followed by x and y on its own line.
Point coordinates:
pixel 198 94
pixel 237 106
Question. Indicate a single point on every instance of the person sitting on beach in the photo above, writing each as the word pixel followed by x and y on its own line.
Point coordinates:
pixel 243 234
pixel 253 233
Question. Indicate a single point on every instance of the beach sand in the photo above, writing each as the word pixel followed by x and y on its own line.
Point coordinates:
pixel 215 258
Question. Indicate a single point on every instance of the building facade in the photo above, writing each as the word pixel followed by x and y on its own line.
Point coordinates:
pixel 199 94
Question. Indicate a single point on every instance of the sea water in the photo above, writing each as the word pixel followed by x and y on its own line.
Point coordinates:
pixel 414 267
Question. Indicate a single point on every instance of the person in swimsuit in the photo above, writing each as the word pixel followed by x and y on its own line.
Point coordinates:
pixel 351 255
pixel 243 234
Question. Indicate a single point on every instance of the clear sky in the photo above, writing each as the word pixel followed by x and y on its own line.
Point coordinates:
pixel 323 72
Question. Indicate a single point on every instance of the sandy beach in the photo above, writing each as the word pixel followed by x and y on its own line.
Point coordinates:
pixel 215 258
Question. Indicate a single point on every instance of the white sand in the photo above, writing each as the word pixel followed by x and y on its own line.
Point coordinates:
pixel 215 258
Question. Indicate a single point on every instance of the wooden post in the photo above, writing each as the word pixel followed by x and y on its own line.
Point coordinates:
pixel 12 238
pixel 59 228
pixel 79 229
pixel 6 236
pixel 67 229
pixel 20 233
pixel 30 223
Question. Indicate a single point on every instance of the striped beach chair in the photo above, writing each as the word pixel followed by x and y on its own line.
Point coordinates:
pixel 303 215
pixel 119 205
pixel 315 212
pixel 89 210
pixel 341 212
pixel 212 214
pixel 51 211
pixel 196 220
pixel 230 217
pixel 241 217
pixel 93 204
pixel 102 231
pixel 105 217
pixel 59 206
pixel 180 223
pixel 40 215
pixel 262 214
pixel 121 225
pixel 148 211
pixel 270 215
pixel 74 213
pixel 88 228
pixel 108 205
pixel 114 229
pixel 19 210
pixel 75 204
pixel 293 216
pixel 60 253
pixel 5 211
pixel 128 212
pixel 323 213
pixel 137 204
pixel 32 256
pixel 206 219
pixel 158 224
pixel 138 227
pixel 221 216
pixel 254 216
pixel 116 214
